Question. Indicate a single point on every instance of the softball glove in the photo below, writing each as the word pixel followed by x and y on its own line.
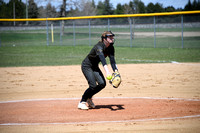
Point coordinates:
pixel 116 79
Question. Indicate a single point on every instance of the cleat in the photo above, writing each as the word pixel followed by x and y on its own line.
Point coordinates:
pixel 90 103
pixel 83 106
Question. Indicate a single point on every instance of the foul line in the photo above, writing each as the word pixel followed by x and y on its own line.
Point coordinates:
pixel 159 61
pixel 147 61
pixel 99 122
pixel 57 99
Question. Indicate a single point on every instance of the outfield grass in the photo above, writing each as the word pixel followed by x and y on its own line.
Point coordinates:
pixel 39 38
pixel 29 48
pixel 99 30
pixel 70 55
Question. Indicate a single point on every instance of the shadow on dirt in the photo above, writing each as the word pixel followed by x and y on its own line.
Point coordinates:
pixel 111 107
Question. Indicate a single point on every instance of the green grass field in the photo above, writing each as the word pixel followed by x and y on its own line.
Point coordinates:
pixel 73 55
pixel 39 38
pixel 29 48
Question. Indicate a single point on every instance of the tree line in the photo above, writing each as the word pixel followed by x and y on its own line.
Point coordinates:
pixel 71 8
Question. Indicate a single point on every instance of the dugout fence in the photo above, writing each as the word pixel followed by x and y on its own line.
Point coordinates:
pixel 152 30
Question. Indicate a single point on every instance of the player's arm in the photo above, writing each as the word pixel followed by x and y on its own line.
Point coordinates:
pixel 112 59
pixel 103 60
pixel 113 63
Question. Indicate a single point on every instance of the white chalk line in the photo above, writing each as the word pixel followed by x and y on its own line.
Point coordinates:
pixel 159 61
pixel 98 122
pixel 148 61
pixel 61 99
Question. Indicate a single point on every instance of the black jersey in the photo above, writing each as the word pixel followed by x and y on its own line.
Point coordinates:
pixel 98 54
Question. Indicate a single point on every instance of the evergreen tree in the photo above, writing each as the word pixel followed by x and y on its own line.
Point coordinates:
pixel 105 8
pixel 150 8
pixel 141 7
pixel 32 9
pixel 169 9
pixel 119 9
pixel 19 9
pixel 50 11
pixel 188 6
pixel 3 9
pixel 108 8
pixel 100 8
pixel 196 5
pixel 158 7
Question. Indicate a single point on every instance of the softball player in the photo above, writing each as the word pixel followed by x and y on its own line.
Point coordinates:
pixel 91 69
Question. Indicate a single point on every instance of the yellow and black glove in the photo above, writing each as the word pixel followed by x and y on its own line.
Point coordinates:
pixel 116 79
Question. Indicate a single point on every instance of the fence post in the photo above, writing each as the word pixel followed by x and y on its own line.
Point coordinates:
pixel 74 35
pixel 47 32
pixel 182 29
pixel 154 32
pixel 131 33
pixel 89 33
pixel 108 24
pixel 52 34
pixel 60 32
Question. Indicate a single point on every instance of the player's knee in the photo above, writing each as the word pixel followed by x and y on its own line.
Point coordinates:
pixel 102 85
pixel 93 86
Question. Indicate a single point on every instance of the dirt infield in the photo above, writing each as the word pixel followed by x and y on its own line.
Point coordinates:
pixel 107 110
pixel 173 92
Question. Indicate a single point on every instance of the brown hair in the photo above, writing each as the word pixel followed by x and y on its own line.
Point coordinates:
pixel 106 34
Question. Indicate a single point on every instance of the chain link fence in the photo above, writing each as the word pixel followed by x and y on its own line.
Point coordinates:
pixel 175 31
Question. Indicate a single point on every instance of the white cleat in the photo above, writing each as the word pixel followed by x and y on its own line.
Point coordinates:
pixel 83 106
pixel 90 103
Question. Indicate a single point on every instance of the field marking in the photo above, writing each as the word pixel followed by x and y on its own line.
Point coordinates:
pixel 57 99
pixel 159 61
pixel 99 122
pixel 148 61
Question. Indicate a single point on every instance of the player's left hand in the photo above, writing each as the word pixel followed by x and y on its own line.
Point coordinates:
pixel 116 79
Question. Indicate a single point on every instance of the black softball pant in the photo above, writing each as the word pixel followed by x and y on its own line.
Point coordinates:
pixel 95 80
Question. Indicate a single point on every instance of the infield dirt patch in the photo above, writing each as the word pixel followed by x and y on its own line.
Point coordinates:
pixel 107 110
pixel 138 80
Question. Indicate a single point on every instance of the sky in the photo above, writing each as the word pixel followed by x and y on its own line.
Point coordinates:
pixel 175 3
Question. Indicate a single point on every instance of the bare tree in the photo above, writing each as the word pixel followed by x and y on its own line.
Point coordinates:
pixel 63 12
pixel 67 5
pixel 83 7
pixel 86 8
pixel 128 10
